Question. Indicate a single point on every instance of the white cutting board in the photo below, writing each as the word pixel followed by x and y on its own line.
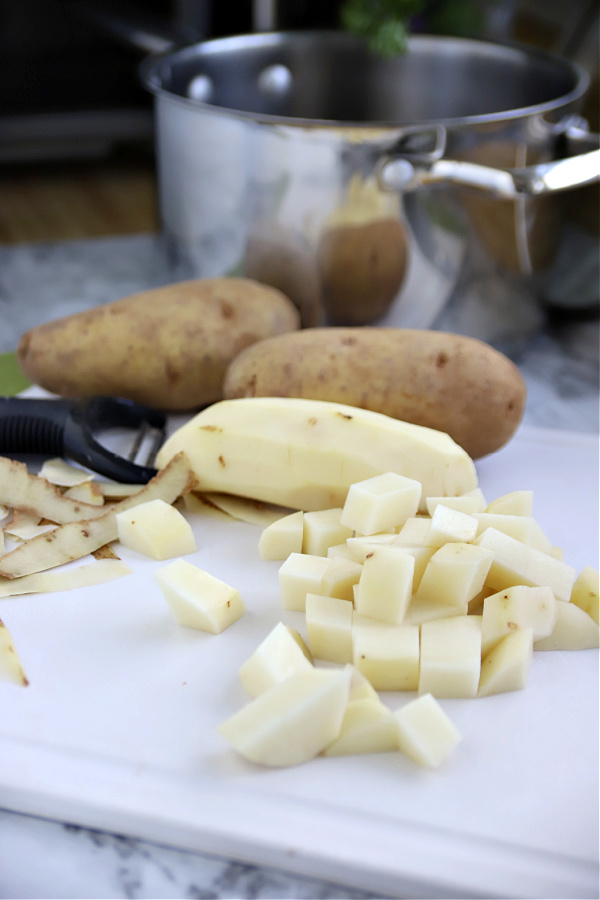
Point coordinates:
pixel 117 729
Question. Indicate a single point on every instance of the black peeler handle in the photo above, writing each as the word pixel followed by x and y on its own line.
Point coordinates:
pixel 66 428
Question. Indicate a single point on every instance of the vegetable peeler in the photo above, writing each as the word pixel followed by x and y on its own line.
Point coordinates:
pixel 68 428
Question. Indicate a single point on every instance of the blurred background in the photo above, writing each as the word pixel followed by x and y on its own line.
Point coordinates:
pixel 76 127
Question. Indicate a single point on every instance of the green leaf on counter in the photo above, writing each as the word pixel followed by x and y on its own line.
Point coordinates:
pixel 12 380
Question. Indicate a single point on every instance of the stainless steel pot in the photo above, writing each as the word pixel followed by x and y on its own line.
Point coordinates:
pixel 359 185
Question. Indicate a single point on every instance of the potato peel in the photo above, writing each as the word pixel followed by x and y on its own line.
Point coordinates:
pixel 20 490
pixel 61 473
pixel 254 512
pixel 11 668
pixel 75 539
pixel 100 572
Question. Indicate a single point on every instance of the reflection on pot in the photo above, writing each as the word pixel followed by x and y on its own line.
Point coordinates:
pixel 520 234
pixel 362 269
pixel 549 241
pixel 277 256
pixel 362 254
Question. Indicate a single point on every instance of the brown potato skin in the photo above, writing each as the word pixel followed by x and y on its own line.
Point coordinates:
pixel 168 347
pixel 449 382
pixel 362 269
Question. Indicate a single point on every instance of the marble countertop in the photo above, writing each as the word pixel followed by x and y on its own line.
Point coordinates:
pixel 38 282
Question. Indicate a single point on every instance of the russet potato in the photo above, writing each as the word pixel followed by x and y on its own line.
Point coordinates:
pixel 167 347
pixel 453 383
pixel 362 268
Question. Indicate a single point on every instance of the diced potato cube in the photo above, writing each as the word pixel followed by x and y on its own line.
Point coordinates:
pixel 448 524
pixel 517 607
pixel 197 599
pixel 155 529
pixel 292 722
pixel 381 503
pixel 329 626
pixel 11 668
pixel 455 574
pixel 282 537
pixel 368 727
pixel 299 575
pixel 384 589
pixel 450 657
pixel 586 590
pixel 278 656
pixel 574 629
pixel 421 556
pixel 517 564
pixel 421 610
pixel 472 502
pixel 388 656
pixel 360 546
pixel 522 528
pixel 340 550
pixel 506 667
pixel 360 686
pixel 426 734
pixel 475 605
pixel 339 578
pixel 516 503
pixel 414 531
pixel 360 623
pixel 322 530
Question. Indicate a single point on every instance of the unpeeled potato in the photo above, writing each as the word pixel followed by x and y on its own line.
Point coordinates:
pixel 362 268
pixel 167 347
pixel 449 382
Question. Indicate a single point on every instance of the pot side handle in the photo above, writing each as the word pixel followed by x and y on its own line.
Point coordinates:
pixel 397 173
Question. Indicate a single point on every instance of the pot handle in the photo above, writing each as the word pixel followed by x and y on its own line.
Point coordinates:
pixel 397 173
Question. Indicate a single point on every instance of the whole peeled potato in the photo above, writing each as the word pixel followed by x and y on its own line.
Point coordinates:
pixel 168 347
pixel 449 382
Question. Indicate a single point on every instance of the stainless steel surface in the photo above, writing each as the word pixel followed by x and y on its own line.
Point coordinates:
pixel 546 178
pixel 276 171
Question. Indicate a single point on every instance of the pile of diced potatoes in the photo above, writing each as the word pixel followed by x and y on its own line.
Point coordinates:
pixel 447 603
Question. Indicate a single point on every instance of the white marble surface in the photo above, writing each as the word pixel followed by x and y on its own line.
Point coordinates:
pixel 42 859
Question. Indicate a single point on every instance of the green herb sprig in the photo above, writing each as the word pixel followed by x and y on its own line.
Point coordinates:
pixel 386 24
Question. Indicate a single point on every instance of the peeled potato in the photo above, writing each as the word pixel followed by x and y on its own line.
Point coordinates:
pixel 168 347
pixel 449 382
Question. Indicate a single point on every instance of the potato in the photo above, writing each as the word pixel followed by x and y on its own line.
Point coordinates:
pixel 449 382
pixel 305 454
pixel 197 599
pixel 362 268
pixel 425 733
pixel 155 529
pixel 168 347
pixel 293 721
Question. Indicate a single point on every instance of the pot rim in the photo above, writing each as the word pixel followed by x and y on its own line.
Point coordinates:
pixel 152 79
